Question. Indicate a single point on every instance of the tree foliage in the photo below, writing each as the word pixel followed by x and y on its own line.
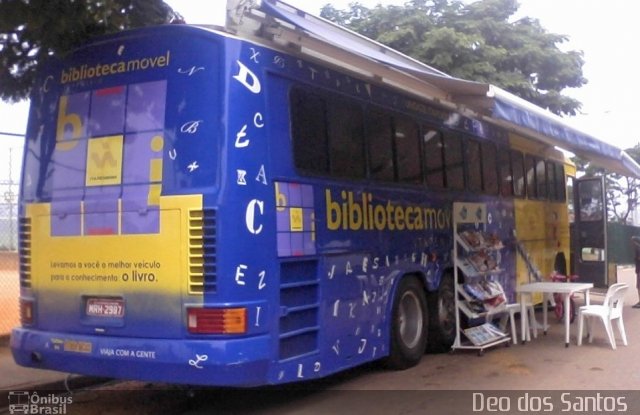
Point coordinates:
pixel 623 196
pixel 623 193
pixel 479 41
pixel 32 30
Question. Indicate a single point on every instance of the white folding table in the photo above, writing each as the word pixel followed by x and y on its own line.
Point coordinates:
pixel 566 289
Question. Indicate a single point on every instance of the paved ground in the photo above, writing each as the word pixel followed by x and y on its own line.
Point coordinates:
pixel 20 378
pixel 542 364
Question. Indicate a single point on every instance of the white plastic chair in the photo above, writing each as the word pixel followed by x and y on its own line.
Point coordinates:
pixel 609 310
pixel 513 309
pixel 532 324
pixel 509 312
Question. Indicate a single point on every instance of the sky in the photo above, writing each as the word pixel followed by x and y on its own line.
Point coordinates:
pixel 606 32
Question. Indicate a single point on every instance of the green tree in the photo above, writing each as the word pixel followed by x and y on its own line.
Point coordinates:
pixel 479 41
pixel 623 196
pixel 32 30
pixel 623 193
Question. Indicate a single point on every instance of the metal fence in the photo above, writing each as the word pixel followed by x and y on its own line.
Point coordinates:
pixel 620 249
pixel 10 160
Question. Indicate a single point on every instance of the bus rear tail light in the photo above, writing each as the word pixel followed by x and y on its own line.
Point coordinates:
pixel 217 320
pixel 26 312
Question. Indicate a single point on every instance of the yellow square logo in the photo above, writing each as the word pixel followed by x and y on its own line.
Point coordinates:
pixel 295 215
pixel 104 161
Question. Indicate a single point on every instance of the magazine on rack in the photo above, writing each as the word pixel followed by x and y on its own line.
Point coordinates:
pixel 484 334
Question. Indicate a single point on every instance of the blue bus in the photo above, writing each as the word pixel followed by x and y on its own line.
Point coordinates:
pixel 203 207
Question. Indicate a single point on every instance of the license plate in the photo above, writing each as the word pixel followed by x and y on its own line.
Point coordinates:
pixel 105 307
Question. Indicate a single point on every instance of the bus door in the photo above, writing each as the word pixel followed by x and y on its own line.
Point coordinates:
pixel 590 231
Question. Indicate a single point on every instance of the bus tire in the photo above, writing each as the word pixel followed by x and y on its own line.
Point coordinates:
pixel 409 325
pixel 442 316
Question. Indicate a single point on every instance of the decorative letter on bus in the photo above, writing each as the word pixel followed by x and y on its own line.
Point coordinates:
pixel 250 216
pixel 248 79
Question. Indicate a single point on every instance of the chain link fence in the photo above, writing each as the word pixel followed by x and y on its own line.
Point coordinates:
pixel 10 161
pixel 620 250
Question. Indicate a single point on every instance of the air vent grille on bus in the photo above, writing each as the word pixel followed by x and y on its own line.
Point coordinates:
pixel 25 252
pixel 299 303
pixel 202 251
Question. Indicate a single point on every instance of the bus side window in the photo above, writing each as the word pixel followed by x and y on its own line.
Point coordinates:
pixel 453 161
pixel 489 168
pixel 530 169
pixel 473 162
pixel 433 157
pixel 308 130
pixel 504 169
pixel 517 167
pixel 551 180
pixel 380 145
pixel 346 139
pixel 541 178
pixel 407 150
pixel 561 189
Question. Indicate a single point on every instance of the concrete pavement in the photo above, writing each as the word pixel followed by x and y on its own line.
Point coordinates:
pixel 616 369
pixel 17 378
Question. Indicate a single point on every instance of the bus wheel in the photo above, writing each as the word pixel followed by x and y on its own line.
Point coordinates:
pixel 409 325
pixel 442 316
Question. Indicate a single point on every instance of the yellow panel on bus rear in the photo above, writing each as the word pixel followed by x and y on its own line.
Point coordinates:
pixel 147 273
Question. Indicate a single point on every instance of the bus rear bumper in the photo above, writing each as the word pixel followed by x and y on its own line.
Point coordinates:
pixel 233 362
